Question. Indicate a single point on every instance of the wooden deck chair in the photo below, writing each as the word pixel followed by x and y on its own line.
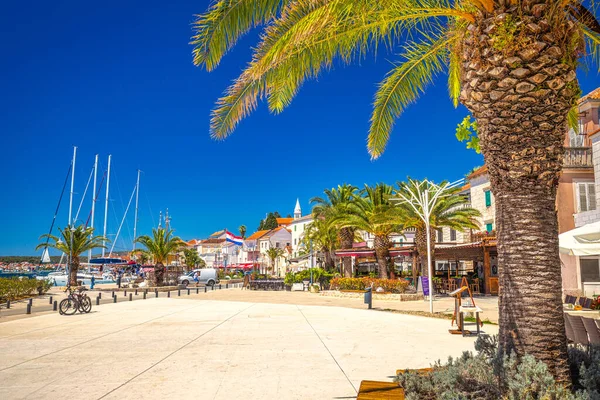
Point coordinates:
pixel 579 331
pixel 569 329
pixel 592 330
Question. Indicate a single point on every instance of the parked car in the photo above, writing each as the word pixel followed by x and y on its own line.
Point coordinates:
pixel 208 276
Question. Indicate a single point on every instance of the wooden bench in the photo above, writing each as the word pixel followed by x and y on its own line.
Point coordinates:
pixel 375 390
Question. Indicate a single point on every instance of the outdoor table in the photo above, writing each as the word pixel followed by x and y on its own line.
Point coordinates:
pixel 267 284
pixel 469 309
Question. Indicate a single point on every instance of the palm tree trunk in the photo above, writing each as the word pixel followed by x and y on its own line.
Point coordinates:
pixel 73 271
pixel 382 253
pixel 421 245
pixel 520 99
pixel 346 240
pixel 159 274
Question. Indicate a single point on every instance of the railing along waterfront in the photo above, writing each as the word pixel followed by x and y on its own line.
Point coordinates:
pixel 578 157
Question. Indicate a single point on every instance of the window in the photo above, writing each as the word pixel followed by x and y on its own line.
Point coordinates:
pixel 452 235
pixel 440 235
pixel 586 196
pixel 590 269
pixel 489 226
pixel 488 198
pixel 277 245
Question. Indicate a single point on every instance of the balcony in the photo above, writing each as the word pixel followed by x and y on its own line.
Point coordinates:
pixel 578 157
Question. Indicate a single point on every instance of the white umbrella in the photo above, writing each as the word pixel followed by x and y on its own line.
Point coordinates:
pixel 582 241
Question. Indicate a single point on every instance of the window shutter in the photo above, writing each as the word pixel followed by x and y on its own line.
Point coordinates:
pixel 489 227
pixel 488 198
pixel 582 197
pixel 591 196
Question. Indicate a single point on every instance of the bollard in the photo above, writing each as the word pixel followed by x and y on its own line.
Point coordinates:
pixel 188 292
pixel 197 290
pixel 30 302
pixel 7 304
pixel 227 286
pixel 169 294
pixel 130 297
pixel 136 292
pixel 220 286
pixel 97 301
pixel 369 297
pixel 55 306
pixel 156 292
pixel 144 295
pixel 29 308
pixel 100 295
pixel 115 299
pixel 178 292
pixel 50 300
pixel 204 289
pixel 113 293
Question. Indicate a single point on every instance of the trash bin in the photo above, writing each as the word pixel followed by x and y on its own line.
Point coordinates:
pixel 369 297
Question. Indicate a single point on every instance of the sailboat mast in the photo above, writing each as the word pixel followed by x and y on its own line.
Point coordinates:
pixel 106 202
pixel 72 184
pixel 137 197
pixel 93 202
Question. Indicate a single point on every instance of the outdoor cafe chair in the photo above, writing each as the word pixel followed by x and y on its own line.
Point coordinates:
pixel 474 286
pixel 592 330
pixel 570 299
pixel 569 329
pixel 587 303
pixel 581 335
pixel 582 301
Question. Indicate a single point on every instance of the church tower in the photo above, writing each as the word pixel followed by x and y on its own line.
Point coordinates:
pixel 297 210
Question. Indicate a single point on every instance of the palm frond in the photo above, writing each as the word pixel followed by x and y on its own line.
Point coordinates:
pixel 454 67
pixel 217 30
pixel 573 119
pixel 403 85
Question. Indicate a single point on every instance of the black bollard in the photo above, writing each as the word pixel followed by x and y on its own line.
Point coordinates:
pixel 130 297
pixel 7 304
pixel 204 289
pixel 115 299
pixel 188 292
pixel 50 300
pixel 227 286
pixel 220 286
pixel 97 301
pixel 136 292
pixel 113 293
pixel 30 302
pixel 169 294
pixel 178 292
pixel 100 295
pixel 197 290
pixel 125 293
pixel 156 292
pixel 55 306
pixel 29 308
pixel 144 295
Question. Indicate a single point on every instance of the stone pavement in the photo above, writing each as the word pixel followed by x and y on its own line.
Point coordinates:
pixel 212 349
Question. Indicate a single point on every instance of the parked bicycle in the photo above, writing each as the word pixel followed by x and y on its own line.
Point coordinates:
pixel 77 300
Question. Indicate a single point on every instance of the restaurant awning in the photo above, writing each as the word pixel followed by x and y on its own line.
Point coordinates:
pixel 582 241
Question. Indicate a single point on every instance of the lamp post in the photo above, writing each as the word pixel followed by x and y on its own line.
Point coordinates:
pixel 423 200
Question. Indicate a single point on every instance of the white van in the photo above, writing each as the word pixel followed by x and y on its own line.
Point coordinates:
pixel 207 276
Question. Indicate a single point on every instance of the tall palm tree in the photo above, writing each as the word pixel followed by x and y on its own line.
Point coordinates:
pixel 74 242
pixel 242 230
pixel 375 213
pixel 511 63
pixel 337 201
pixel 322 236
pixel 452 210
pixel 159 246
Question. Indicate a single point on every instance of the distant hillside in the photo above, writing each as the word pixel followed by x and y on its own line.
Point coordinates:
pixel 29 259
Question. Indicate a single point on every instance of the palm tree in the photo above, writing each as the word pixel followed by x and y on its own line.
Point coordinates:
pixel 242 230
pixel 273 254
pixel 452 210
pixel 73 242
pixel 322 236
pixel 511 63
pixel 376 214
pixel 191 257
pixel 159 247
pixel 337 201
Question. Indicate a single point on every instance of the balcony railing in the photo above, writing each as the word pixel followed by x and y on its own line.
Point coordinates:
pixel 578 157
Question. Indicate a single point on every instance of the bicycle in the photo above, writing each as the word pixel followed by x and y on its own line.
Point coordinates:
pixel 77 300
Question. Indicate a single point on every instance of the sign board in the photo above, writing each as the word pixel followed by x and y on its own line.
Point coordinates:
pixel 423 285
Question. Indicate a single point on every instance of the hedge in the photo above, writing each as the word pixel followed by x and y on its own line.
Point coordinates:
pixel 389 285
pixel 15 288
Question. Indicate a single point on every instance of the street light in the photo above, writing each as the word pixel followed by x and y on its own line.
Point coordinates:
pixel 423 200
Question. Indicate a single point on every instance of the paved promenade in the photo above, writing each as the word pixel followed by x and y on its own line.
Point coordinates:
pixel 212 349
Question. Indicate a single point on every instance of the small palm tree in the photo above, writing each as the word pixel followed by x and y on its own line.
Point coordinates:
pixel 159 247
pixel 338 201
pixel 73 242
pixel 242 230
pixel 191 257
pixel 376 214
pixel 322 236
pixel 273 254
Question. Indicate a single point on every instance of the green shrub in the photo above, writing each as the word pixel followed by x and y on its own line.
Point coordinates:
pixel 389 285
pixel 318 275
pixel 487 376
pixel 15 288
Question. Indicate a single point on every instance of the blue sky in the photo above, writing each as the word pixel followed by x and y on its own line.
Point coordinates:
pixel 118 79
